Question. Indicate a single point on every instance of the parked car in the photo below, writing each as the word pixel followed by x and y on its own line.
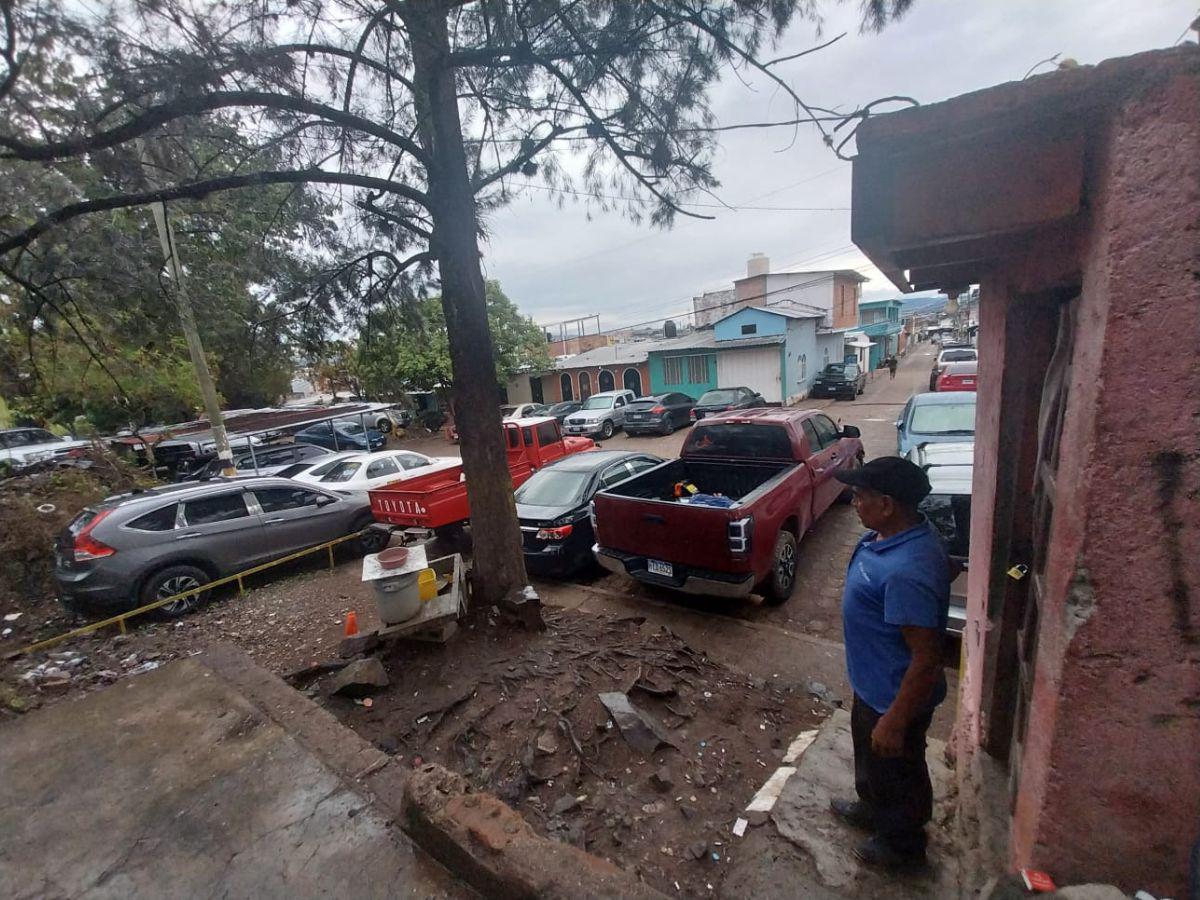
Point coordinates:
pixel 560 411
pixel 841 380
pixel 552 507
pixel 523 410
pixel 341 434
pixel 724 400
pixel 21 447
pixel 950 355
pixel 385 420
pixel 948 507
pixel 725 518
pixel 356 474
pixel 318 466
pixel 942 417
pixel 136 548
pixel 268 460
pixel 659 415
pixel 957 376
pixel 601 414
pixel 539 440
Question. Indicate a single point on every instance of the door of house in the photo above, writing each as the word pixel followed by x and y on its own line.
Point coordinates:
pixel 633 381
pixel 566 386
pixel 1051 412
pixel 606 381
pixel 535 389
pixel 758 369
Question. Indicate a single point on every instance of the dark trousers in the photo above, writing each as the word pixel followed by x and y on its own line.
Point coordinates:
pixel 896 790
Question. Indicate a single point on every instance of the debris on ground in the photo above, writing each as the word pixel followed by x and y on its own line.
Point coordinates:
pixel 519 714
pixel 361 677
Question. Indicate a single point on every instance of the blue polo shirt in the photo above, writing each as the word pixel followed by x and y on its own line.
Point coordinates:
pixel 903 580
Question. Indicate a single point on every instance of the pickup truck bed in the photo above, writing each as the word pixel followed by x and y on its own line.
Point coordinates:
pixel 733 479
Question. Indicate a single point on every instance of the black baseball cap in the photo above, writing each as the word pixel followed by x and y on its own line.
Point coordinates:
pixel 903 481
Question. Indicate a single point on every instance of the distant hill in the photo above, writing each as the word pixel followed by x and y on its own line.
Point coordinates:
pixel 922 304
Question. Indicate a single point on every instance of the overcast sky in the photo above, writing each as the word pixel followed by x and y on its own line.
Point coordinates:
pixel 557 264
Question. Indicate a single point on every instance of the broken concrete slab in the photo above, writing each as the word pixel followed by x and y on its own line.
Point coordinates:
pixel 489 844
pixel 826 770
pixel 180 777
pixel 360 678
pixel 643 732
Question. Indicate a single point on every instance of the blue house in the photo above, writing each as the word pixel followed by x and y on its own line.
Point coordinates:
pixel 879 320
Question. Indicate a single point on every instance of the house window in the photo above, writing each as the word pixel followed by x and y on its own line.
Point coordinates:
pixel 673 370
pixel 749 329
pixel 826 356
pixel 697 369
pixel 803 366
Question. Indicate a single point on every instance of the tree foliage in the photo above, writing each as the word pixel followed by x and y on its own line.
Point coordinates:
pixel 396 355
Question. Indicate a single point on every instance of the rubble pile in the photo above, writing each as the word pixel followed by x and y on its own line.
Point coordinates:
pixel 603 732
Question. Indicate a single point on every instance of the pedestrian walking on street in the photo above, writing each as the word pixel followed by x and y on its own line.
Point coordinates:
pixel 894 611
pixel 891 364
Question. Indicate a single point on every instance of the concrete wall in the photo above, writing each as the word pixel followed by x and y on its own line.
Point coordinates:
pixel 764 323
pixel 798 375
pixel 1110 785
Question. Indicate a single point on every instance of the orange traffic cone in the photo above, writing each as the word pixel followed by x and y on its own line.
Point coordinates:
pixel 351 624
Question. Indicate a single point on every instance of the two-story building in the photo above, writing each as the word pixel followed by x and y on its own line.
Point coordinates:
pixel 880 321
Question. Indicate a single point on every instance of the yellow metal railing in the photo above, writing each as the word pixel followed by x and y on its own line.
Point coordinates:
pixel 120 620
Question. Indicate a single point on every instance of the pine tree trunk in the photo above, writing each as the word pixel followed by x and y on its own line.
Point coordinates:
pixel 499 563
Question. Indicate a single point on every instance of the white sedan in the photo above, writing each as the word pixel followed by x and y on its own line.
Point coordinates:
pixel 358 473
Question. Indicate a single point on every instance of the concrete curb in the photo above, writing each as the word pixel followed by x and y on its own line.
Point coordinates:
pixel 484 841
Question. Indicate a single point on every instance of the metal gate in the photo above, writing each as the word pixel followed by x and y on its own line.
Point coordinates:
pixel 759 369
pixel 1053 407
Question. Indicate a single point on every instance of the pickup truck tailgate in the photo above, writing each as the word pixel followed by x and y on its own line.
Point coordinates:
pixel 674 532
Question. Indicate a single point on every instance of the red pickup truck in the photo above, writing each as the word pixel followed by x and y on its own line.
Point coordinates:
pixel 725 518
pixel 439 501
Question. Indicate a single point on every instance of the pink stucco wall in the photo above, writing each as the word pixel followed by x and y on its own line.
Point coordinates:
pixel 1110 787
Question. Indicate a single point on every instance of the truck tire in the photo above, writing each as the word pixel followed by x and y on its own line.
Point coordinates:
pixel 607 431
pixel 779 585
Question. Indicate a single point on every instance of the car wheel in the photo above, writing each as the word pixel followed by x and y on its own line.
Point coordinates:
pixel 171 581
pixel 782 580
pixel 607 431
pixel 668 426
pixel 383 426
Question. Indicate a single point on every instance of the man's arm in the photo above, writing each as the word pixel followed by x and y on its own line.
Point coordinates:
pixel 887 738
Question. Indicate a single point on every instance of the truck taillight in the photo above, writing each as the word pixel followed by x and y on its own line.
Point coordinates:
pixel 86 547
pixel 739 535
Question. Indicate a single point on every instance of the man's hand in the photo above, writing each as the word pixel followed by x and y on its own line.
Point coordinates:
pixel 887 737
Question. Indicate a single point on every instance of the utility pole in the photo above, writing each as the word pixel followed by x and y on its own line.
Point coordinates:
pixel 187 319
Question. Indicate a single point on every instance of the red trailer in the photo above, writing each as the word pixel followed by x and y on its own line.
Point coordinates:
pixel 437 501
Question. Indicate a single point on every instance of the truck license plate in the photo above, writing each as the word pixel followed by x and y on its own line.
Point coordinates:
pixel 656 567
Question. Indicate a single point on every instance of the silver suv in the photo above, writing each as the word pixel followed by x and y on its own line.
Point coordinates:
pixel 601 414
pixel 133 549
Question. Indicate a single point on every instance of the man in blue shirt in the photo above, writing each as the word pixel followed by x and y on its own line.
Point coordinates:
pixel 894 611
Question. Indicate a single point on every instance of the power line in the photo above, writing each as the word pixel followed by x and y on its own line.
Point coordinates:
pixel 726 206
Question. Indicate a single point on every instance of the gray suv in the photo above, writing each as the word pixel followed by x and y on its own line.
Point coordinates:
pixel 600 415
pixel 133 549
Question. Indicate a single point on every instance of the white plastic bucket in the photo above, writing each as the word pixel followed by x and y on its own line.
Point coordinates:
pixel 398 598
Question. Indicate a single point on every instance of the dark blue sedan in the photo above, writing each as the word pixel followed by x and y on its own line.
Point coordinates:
pixel 342 435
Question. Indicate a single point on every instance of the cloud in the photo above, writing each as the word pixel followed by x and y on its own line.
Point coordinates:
pixel 558 263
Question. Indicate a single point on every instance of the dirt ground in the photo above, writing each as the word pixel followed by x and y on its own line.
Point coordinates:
pixel 519 714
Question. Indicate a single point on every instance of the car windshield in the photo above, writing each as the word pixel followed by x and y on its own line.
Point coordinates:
pixel 598 403
pixel 350 427
pixel 507 410
pixel 646 402
pixel 342 471
pixel 957 355
pixel 554 488
pixel 834 369
pixel 944 418
pixel 324 468
pixel 739 440
pixel 714 397
pixel 563 408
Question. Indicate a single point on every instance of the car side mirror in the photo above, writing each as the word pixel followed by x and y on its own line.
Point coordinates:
pixel 850 431
pixel 325 500
pixel 899 424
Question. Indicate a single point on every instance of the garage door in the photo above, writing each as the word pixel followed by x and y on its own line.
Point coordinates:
pixel 757 369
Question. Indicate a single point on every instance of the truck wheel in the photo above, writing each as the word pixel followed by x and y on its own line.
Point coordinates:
pixel 607 431
pixel 779 584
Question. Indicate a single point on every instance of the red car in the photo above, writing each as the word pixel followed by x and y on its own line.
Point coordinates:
pixel 959 376
pixel 725 518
